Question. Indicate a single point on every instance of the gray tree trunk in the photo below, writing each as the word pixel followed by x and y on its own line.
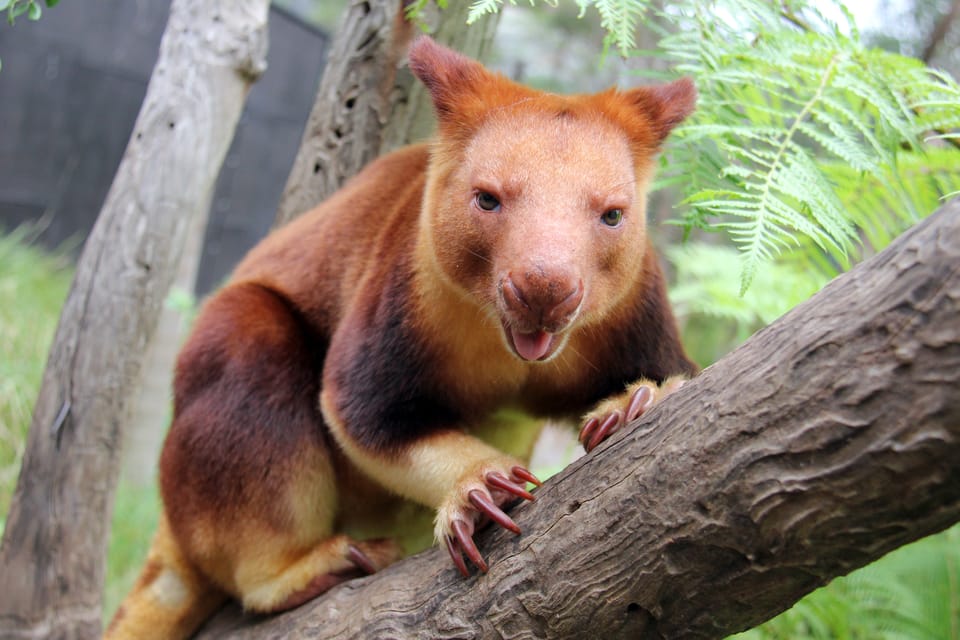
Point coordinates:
pixel 151 404
pixel 827 440
pixel 54 546
pixel 364 107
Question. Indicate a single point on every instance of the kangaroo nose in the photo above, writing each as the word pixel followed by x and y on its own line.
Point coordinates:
pixel 542 299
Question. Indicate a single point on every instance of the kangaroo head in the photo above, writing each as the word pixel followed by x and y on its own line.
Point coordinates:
pixel 535 204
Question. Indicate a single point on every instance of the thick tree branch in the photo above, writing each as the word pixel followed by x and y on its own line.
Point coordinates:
pixel 827 440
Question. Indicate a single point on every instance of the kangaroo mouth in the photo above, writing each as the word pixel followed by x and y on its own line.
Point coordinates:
pixel 532 346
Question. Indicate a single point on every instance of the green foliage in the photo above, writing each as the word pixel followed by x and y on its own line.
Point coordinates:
pixel 325 15
pixel 33 286
pixel 883 205
pixel 777 113
pixel 184 303
pixel 717 317
pixel 618 18
pixel 17 8
pixel 480 8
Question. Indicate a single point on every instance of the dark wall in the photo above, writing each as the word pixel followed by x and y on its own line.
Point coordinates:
pixel 71 88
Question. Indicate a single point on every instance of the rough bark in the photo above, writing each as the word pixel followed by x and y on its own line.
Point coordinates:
pixel 364 106
pixel 54 545
pixel 827 440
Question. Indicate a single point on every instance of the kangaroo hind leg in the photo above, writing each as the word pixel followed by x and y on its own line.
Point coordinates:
pixel 281 583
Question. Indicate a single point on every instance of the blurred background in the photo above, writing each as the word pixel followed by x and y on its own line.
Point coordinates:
pixel 70 89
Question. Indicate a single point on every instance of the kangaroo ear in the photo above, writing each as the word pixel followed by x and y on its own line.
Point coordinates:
pixel 454 80
pixel 666 105
pixel 463 90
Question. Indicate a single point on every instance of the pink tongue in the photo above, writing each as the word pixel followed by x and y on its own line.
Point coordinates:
pixel 531 346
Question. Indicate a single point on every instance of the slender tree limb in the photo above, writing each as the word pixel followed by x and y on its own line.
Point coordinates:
pixel 54 546
pixel 827 440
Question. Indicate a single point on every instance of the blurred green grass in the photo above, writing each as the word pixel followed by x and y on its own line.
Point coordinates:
pixel 135 514
pixel 33 287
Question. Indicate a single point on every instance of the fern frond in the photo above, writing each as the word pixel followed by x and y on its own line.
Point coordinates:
pixel 778 105
pixel 620 19
pixel 480 8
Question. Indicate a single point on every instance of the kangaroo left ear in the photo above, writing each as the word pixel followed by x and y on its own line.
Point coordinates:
pixel 665 105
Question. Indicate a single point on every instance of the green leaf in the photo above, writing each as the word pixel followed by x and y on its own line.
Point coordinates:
pixel 18 9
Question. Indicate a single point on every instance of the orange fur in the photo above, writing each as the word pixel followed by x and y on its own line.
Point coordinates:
pixel 346 382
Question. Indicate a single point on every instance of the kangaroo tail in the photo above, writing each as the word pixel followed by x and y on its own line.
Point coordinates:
pixel 170 598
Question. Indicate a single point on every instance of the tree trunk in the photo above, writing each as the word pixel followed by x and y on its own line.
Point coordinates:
pixel 940 30
pixel 827 440
pixel 363 106
pixel 151 406
pixel 54 546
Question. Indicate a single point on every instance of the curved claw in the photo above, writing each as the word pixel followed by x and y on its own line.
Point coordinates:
pixel 496 480
pixel 485 505
pixel 606 428
pixel 457 556
pixel 526 475
pixel 465 537
pixel 587 430
pixel 359 558
pixel 459 540
pixel 640 401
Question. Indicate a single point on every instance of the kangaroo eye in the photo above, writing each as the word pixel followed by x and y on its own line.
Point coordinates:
pixel 487 201
pixel 612 217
